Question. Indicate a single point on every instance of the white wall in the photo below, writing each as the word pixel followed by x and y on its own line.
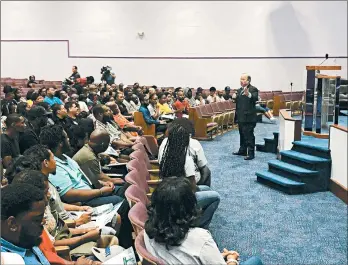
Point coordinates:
pixel 172 29
pixel 339 156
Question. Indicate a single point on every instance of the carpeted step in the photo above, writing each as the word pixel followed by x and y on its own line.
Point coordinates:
pixel 269 139
pixel 292 169
pixel 271 145
pixel 311 149
pixel 281 183
pixel 304 157
pixel 260 147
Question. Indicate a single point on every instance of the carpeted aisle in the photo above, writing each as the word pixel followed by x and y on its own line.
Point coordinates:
pixel 256 220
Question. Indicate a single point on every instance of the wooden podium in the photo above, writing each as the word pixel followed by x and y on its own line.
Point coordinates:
pixel 322 99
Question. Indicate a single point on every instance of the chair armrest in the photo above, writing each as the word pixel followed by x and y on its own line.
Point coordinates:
pixel 153 170
pixel 63 252
pixel 70 223
pixel 206 116
pixel 217 112
pixel 118 181
pixel 117 165
pixel 113 175
pixel 154 161
pixel 153 182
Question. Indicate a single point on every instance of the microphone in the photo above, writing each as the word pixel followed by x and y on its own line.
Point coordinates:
pixel 326 57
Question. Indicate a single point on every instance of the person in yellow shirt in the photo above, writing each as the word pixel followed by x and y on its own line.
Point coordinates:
pixel 162 105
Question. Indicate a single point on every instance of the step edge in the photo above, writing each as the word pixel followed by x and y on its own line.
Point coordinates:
pixel 309 172
pixel 293 184
pixel 318 148
pixel 322 160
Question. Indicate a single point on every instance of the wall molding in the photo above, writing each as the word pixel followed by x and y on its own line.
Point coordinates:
pixel 339 191
pixel 179 57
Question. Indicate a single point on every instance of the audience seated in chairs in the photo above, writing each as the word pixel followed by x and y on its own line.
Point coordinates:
pixel 69 180
pixel 15 124
pixel 172 232
pixel 176 161
pixel 161 126
pixel 104 121
pixel 77 178
pixel 22 219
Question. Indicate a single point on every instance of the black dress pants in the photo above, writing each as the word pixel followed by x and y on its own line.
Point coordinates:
pixel 247 137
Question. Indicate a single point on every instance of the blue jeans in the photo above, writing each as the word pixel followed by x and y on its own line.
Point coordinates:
pixel 208 200
pixel 252 261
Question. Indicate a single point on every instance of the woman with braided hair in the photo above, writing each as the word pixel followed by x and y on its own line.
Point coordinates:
pixel 175 161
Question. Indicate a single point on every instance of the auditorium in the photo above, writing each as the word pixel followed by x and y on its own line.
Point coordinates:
pixel 174 132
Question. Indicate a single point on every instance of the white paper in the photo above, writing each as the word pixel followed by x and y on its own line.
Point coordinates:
pixel 127 257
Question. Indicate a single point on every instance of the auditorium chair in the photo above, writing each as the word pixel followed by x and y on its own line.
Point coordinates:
pixel 144 174
pixel 134 195
pixel 149 129
pixel 222 116
pixel 63 252
pixel 279 103
pixel 153 144
pixel 142 158
pixel 205 128
pixel 216 115
pixel 145 257
pixel 138 216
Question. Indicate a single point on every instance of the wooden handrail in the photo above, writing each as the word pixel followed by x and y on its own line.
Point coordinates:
pixel 341 128
pixel 323 67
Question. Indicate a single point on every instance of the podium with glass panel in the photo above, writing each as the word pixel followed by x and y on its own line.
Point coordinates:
pixel 321 99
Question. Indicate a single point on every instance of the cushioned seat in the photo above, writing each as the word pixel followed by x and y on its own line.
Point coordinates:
pixel 211 124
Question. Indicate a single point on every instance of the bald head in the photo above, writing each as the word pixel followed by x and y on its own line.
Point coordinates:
pixel 99 141
pixel 245 80
pixel 113 106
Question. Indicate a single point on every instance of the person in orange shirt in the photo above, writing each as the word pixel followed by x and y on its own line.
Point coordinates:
pixel 51 255
pixel 121 121
pixel 181 106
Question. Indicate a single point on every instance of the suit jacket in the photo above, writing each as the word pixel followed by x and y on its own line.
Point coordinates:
pixel 245 106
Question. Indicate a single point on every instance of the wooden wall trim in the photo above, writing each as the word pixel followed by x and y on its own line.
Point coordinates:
pixel 339 191
pixel 342 128
pixel 286 116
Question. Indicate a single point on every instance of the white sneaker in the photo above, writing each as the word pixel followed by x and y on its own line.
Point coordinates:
pixel 273 119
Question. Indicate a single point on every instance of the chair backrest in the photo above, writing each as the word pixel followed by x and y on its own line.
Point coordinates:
pixel 135 177
pixel 134 195
pixel 145 256
pixel 214 107
pixel 153 145
pixel 141 157
pixel 149 129
pixel 138 216
pixel 209 108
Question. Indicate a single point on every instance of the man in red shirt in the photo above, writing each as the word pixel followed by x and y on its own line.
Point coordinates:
pixel 181 106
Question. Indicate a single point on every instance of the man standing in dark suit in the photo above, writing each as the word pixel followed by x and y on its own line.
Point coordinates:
pixel 246 98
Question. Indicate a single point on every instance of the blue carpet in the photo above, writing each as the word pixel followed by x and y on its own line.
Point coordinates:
pixel 256 220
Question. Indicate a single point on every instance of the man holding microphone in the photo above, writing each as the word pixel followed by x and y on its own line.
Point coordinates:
pixel 246 98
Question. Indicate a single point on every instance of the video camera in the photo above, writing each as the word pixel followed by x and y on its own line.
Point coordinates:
pixel 105 71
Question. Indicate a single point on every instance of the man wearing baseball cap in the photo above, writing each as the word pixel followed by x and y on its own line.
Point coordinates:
pixel 227 95
pixel 37 118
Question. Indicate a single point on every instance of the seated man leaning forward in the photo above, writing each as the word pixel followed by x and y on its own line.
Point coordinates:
pixel 69 180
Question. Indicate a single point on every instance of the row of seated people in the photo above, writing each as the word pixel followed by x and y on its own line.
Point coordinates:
pixel 31 123
pixel 63 179
pixel 172 207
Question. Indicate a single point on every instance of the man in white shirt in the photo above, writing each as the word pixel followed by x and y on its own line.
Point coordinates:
pixel 212 95
pixel 128 101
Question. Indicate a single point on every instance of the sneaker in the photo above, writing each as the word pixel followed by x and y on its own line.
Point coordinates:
pixel 273 119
